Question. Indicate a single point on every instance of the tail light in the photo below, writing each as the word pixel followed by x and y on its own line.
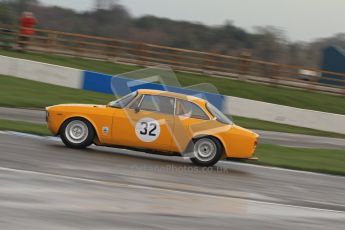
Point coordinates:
pixel 47 116
pixel 255 143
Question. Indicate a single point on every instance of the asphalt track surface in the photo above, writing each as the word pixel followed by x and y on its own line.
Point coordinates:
pixel 45 185
pixel 268 137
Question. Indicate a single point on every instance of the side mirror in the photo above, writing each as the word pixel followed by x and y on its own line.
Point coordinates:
pixel 137 109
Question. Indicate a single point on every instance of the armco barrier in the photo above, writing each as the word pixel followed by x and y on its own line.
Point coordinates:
pixel 43 72
pixel 80 79
pixel 285 114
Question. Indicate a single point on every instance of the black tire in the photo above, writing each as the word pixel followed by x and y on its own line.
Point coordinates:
pixel 80 137
pixel 206 142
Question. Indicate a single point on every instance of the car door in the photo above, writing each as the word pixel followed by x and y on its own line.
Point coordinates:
pixel 148 122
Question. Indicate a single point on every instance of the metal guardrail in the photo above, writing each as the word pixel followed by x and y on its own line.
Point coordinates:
pixel 144 54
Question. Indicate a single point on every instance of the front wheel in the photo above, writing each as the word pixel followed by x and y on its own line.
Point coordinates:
pixel 207 151
pixel 77 133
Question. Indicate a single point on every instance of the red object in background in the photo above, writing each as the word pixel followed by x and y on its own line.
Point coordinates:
pixel 28 23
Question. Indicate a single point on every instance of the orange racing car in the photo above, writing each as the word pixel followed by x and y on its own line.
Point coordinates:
pixel 157 122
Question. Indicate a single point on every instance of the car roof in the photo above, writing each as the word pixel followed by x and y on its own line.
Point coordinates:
pixel 170 94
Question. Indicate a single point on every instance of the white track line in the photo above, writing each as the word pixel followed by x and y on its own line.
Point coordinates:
pixel 12 133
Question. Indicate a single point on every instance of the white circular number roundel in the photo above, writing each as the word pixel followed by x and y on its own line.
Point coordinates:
pixel 147 129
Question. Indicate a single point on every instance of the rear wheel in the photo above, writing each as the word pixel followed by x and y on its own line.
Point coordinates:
pixel 77 133
pixel 207 151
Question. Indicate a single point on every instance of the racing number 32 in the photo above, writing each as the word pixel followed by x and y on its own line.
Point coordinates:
pixel 148 128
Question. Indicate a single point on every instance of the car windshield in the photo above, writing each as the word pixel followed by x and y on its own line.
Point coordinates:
pixel 123 101
pixel 221 117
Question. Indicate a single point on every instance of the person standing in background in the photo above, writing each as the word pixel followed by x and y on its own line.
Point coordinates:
pixel 27 21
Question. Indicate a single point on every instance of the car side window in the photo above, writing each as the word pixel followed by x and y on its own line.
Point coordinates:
pixel 189 109
pixel 156 103
pixel 124 101
pixel 135 102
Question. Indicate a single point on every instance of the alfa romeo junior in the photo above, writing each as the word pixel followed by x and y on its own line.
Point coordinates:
pixel 156 122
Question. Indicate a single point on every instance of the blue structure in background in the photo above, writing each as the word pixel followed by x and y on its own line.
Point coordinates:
pixel 97 82
pixel 121 86
pixel 333 61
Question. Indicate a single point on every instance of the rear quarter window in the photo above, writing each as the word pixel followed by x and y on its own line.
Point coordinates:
pixel 189 109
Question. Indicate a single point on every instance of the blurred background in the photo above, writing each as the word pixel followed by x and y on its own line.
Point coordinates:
pixel 276 66
pixel 293 33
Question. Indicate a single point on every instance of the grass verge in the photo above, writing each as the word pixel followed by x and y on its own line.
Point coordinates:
pixel 16 92
pixel 272 126
pixel 313 160
pixel 278 95
pixel 24 127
